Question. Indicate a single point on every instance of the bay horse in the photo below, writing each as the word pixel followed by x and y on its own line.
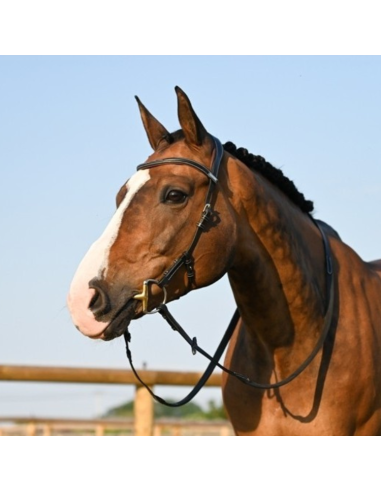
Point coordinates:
pixel 308 305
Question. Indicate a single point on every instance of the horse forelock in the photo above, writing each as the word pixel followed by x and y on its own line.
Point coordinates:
pixel 170 138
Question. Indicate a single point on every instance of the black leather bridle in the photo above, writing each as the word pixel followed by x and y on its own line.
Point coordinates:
pixel 186 259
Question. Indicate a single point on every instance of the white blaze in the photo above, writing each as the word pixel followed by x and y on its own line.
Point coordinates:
pixel 95 263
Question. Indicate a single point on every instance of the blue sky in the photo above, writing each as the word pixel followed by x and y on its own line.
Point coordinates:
pixel 70 135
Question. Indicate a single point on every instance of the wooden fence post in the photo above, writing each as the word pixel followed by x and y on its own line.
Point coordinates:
pixel 143 412
pixel 31 429
pixel 99 430
pixel 47 430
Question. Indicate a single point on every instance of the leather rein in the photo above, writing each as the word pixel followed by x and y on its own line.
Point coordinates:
pixel 186 259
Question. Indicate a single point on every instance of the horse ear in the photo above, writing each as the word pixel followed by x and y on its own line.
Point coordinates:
pixel 192 127
pixel 154 129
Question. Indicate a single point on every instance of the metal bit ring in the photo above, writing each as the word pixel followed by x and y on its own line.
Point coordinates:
pixel 144 295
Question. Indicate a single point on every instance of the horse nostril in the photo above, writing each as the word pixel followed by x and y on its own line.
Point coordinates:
pixel 100 303
pixel 96 298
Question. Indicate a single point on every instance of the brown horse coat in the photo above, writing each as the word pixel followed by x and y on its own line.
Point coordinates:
pixel 273 254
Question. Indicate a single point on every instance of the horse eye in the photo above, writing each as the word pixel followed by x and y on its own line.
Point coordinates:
pixel 175 196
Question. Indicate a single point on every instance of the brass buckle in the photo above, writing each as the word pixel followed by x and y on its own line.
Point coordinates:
pixel 143 296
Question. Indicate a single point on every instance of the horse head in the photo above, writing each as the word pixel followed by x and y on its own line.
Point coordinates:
pixel 158 210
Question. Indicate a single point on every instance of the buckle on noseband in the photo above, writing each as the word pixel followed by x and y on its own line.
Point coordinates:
pixel 143 296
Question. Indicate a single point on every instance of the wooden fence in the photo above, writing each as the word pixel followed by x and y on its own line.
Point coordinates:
pixel 143 422
pixel 32 426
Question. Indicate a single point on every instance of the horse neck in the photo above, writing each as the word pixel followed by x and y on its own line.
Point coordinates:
pixel 277 276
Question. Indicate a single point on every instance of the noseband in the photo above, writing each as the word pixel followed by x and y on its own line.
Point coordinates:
pixel 186 259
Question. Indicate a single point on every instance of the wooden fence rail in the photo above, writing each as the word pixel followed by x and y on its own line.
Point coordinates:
pixel 45 426
pixel 143 403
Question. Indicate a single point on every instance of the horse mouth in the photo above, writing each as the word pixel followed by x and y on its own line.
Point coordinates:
pixel 120 322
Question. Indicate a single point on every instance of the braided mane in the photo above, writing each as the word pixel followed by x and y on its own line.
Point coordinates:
pixel 273 174
pixel 259 164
